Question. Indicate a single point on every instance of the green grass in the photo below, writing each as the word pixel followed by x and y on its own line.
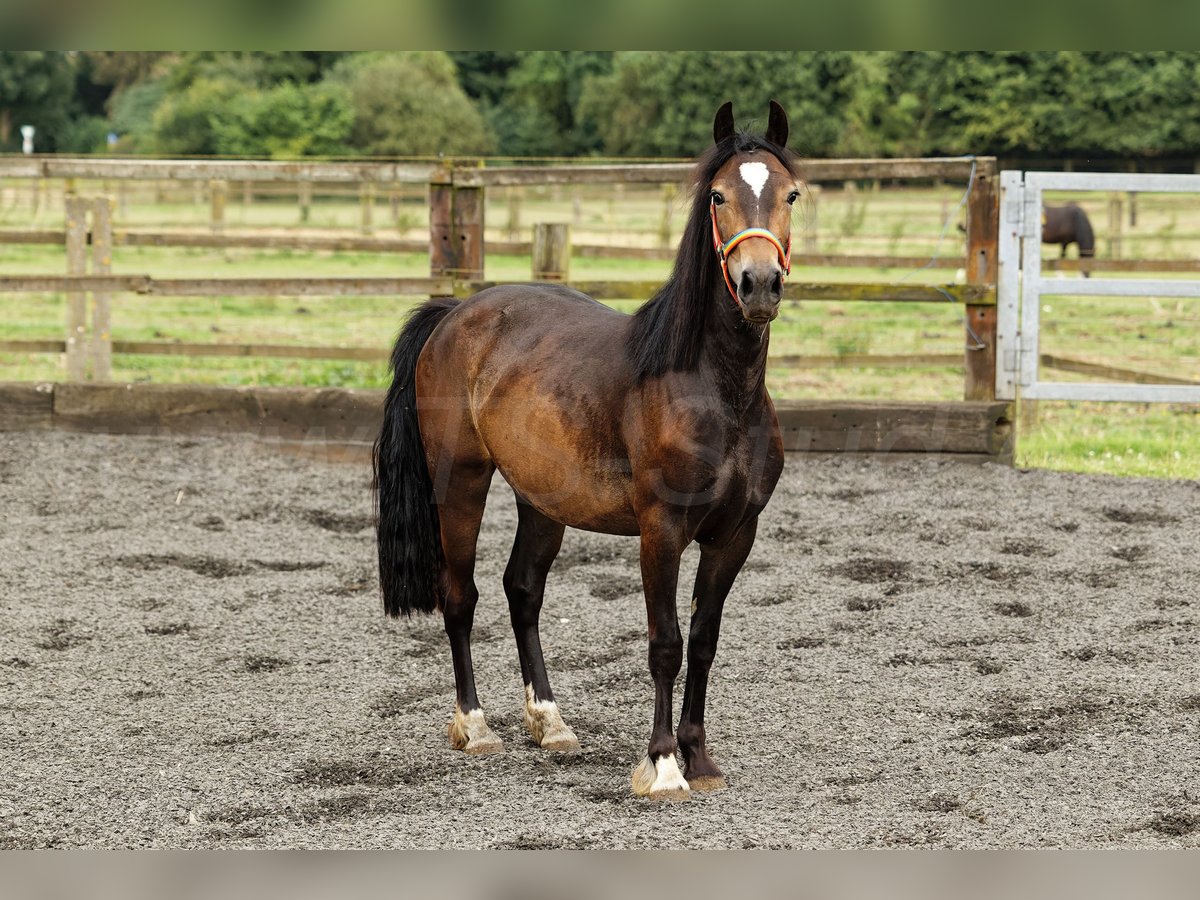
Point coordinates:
pixel 1161 336
pixel 1155 440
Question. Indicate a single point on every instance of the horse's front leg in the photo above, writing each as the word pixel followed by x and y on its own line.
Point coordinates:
pixel 658 775
pixel 719 566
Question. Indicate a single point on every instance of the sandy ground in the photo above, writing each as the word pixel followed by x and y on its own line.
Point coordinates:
pixel 918 653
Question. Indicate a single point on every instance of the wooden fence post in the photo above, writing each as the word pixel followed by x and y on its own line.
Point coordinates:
pixel 305 200
pixel 1115 218
pixel 455 228
pixel 983 238
pixel 218 190
pixel 76 237
pixel 366 202
pixel 514 214
pixel 812 228
pixel 668 211
pixel 551 252
pixel 102 247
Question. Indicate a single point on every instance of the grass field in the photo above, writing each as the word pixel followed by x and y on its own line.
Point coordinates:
pixel 1149 335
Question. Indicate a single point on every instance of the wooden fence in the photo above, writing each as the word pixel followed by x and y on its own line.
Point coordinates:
pixel 456 247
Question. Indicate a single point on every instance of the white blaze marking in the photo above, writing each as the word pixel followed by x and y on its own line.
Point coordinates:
pixel 755 174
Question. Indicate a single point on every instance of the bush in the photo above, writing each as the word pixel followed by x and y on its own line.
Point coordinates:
pixel 287 121
pixel 662 104
pixel 189 123
pixel 132 115
pixel 87 134
pixel 410 104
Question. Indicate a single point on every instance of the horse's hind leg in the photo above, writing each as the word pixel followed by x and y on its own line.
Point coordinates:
pixel 537 543
pixel 460 511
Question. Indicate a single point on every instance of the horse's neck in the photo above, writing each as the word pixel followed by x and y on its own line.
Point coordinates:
pixel 735 353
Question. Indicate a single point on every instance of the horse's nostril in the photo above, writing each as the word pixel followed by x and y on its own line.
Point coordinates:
pixel 747 284
pixel 777 285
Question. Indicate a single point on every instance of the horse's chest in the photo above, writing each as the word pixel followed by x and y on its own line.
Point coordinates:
pixel 748 478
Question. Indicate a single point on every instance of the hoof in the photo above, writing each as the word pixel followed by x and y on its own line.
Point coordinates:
pixel 661 780
pixel 469 732
pixel 561 741
pixel 545 725
pixel 707 783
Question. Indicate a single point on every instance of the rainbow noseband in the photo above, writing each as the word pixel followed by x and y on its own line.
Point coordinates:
pixel 724 248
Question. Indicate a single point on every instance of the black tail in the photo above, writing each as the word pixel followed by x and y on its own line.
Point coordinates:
pixel 406 517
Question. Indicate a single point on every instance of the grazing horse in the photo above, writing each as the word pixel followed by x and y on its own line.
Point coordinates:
pixel 657 425
pixel 1069 225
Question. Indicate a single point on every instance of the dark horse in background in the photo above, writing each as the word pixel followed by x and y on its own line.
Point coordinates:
pixel 1069 225
pixel 656 425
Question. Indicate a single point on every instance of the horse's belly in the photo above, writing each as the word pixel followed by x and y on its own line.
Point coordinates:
pixel 580 493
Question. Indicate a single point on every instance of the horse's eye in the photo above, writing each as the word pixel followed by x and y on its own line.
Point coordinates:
pixel 718 198
pixel 792 197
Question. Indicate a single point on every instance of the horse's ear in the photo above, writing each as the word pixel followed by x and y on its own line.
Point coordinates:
pixel 777 126
pixel 723 123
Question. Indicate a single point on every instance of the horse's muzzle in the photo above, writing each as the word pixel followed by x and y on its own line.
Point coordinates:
pixel 760 289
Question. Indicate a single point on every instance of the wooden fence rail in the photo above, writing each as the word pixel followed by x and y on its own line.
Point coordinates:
pixel 456 244
pixel 871 292
pixel 375 354
pixel 463 173
pixel 354 243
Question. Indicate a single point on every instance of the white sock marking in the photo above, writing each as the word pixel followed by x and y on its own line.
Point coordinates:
pixel 755 174
pixel 541 706
pixel 667 776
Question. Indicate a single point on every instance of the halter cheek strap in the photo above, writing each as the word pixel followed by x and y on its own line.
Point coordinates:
pixel 724 248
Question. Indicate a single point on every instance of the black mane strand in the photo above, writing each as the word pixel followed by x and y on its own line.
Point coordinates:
pixel 668 329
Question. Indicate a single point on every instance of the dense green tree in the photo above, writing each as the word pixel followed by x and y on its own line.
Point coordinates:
pixel 189 122
pixel 132 115
pixel 1051 104
pixel 287 120
pixel 119 69
pixel 37 87
pixel 483 74
pixel 655 104
pixel 258 68
pixel 538 113
pixel 409 103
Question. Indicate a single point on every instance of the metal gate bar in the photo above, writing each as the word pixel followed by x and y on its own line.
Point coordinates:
pixel 1020 286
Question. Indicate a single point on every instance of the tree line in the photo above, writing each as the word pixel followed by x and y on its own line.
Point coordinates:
pixel 284 104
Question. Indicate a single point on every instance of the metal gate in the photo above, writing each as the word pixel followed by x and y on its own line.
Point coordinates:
pixel 1020 287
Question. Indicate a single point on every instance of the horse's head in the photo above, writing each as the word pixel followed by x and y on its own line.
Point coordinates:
pixel 750 200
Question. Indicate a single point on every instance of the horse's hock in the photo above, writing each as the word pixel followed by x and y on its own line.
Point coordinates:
pixel 344 422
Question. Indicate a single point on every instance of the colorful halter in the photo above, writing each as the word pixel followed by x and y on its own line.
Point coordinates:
pixel 724 248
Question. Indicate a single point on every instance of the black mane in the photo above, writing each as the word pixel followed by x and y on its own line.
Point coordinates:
pixel 668 329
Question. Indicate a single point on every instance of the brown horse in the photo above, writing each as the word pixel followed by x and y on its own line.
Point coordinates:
pixel 656 424
pixel 1069 225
